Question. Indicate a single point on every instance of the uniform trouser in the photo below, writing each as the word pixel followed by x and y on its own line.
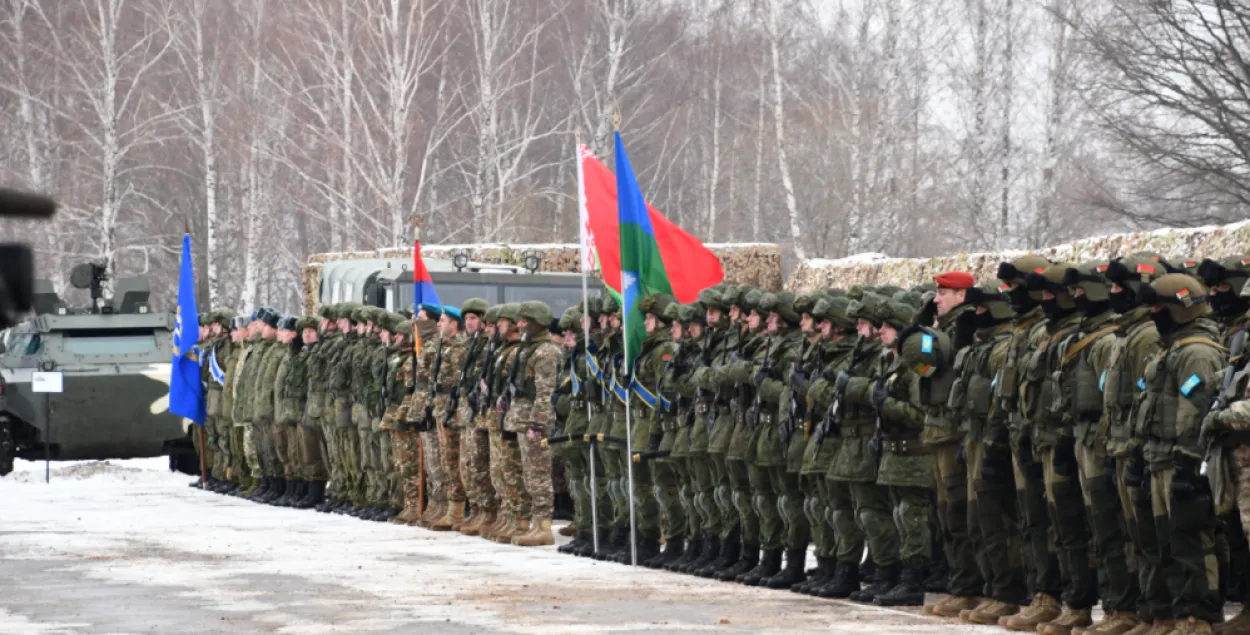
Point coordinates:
pixel 251 448
pixel 505 463
pixel 816 506
pixel 1184 519
pixel 225 449
pixel 312 452
pixel 874 513
pixel 601 493
pixel 646 507
pixel 1066 506
pixel 703 493
pixel 912 508
pixel 394 497
pixel 435 475
pixel 952 512
pixel 571 453
pixel 535 464
pixel 688 492
pixel 1156 598
pixel 1043 564
pixel 368 485
pixel 788 500
pixel 1116 575
pixel 740 486
pixel 475 468
pixel 270 461
pixel 330 455
pixel 295 453
pixel 731 522
pixel 993 515
pixel 615 461
pixel 449 452
pixel 281 450
pixel 239 471
pixel 850 537
pixel 667 477
pixel 349 456
pixel 405 447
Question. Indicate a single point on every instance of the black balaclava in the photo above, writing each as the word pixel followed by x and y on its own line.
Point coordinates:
pixel 1164 322
pixel 1124 301
pixel 1089 308
pixel 1228 304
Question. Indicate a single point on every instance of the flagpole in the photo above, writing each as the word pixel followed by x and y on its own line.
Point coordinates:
pixel 582 218
pixel 186 229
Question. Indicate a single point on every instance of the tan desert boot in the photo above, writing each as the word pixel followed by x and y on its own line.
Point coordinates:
pixel 493 529
pixel 1239 624
pixel 539 534
pixel 1113 623
pixel 989 613
pixel 1043 609
pixel 1068 620
pixel 518 528
pixel 452 519
pixel 436 510
pixel 475 518
pixel 568 530
pixel 484 522
pixel 953 605
pixel 406 517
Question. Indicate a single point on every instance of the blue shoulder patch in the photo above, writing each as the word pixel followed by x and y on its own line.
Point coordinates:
pixel 1141 383
pixel 1190 384
pixel 994 382
pixel 926 344
pixel 1102 382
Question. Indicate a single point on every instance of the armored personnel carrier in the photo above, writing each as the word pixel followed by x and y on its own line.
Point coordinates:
pixel 114 360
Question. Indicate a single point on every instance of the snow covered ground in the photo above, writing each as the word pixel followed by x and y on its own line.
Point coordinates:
pixel 126 547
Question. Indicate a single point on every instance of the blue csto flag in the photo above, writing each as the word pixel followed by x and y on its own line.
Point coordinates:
pixel 186 393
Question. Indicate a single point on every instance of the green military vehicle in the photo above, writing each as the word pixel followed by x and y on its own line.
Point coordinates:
pixel 387 283
pixel 114 362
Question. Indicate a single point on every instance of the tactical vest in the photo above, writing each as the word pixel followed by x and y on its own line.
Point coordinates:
pixel 1121 390
pixel 1041 389
pixel 972 392
pixel 1172 403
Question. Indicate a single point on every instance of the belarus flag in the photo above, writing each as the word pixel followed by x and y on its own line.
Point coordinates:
pixel 691 267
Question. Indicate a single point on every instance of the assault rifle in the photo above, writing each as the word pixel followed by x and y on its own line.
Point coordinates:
pixel 518 367
pixel 832 423
pixel 760 375
pixel 454 401
pixel 1228 386
pixel 427 417
pixel 477 401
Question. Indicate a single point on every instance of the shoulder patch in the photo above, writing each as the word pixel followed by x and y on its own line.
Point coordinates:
pixel 1102 382
pixel 1141 383
pixel 994 382
pixel 926 343
pixel 1190 384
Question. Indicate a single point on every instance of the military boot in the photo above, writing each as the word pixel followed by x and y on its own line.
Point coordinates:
pixel 301 490
pixel 989 613
pixel 748 559
pixel 539 534
pixel 770 565
pixel 730 551
pixel 488 518
pixel 887 578
pixel 316 495
pixel 1113 623
pixel 817 577
pixel 673 551
pixel 939 573
pixel 519 527
pixel 475 519
pixel 1068 620
pixel 406 516
pixel 1044 608
pixel 572 546
pixel 792 575
pixel 647 548
pixel 908 592
pixel 277 490
pixel 488 532
pixel 844 582
pixel 609 547
pixel 567 530
pixel 434 511
pixel 451 520
pixel 1192 626
pixel 707 553
pixel 695 547
pixel 1238 625
pixel 257 490
pixel 953 606
pixel 587 550
pixel 868 568
pixel 286 488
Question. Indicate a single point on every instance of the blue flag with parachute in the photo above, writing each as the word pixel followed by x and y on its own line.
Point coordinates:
pixel 186 392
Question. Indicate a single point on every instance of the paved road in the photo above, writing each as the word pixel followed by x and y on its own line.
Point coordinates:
pixel 118 550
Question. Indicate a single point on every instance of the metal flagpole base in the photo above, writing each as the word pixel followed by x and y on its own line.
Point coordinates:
pixel 629 466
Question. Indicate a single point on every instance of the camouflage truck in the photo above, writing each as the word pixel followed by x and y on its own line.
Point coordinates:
pixel 498 273
pixel 114 360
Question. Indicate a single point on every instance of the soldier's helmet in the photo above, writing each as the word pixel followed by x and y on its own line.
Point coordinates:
pixel 656 305
pixel 1090 278
pixel 476 306
pixel 992 298
pixel 1135 270
pixel 671 312
pixel 385 320
pixel 347 310
pixel 924 350
pixel 306 322
pixel 749 299
pixel 224 317
pixel 730 295
pixel 713 298
pixel 327 312
pixel 1052 280
pixel 900 315
pixel 1231 271
pixel 1019 269
pixel 536 312
pixel 510 312
pixel 836 310
pixel 492 315
pixel 609 305
pixel 590 306
pixel 870 307
pixel 403 326
pixel 1180 294
pixel 1184 265
pixel 570 319
pixel 910 298
pixel 689 314
pixel 805 303
pixel 781 303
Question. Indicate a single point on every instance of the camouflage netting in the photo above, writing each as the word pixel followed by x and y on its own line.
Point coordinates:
pixel 748 263
pixel 1175 244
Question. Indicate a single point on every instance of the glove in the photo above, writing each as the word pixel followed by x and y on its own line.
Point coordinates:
pixel 1185 477
pixel 1065 458
pixel 844 378
pixel 536 432
pixel 880 392
pixel 1135 470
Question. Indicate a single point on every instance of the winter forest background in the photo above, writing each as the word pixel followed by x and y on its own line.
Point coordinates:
pixel 910 127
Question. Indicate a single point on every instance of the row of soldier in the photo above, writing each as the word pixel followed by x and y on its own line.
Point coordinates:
pixel 1033 447
pixel 338 413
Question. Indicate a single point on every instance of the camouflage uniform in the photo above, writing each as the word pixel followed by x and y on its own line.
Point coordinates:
pixel 505 451
pixel 530 417
pixel 680 396
pixel 368 366
pixel 411 453
pixel 286 439
pixel 346 438
pixel 569 432
pixel 398 381
pixel 244 385
pixel 475 423
pixel 661 469
pixel 292 402
pixel 716 417
pixel 217 354
pixel 238 472
pixel 311 439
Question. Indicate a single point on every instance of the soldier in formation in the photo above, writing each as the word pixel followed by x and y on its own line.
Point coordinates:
pixel 1067 436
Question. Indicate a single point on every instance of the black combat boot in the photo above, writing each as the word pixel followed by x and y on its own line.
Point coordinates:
pixel 612 548
pixel 844 582
pixel 277 487
pixel 938 573
pixel 316 495
pixel 709 552
pixel 588 549
pixel 886 579
pixel 770 565
pixel 868 568
pixel 908 592
pixel 648 548
pixel 300 491
pixel 694 549
pixel 261 492
pixel 674 551
pixel 730 551
pixel 817 577
pixel 326 504
pixel 792 575
pixel 573 545
pixel 748 559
